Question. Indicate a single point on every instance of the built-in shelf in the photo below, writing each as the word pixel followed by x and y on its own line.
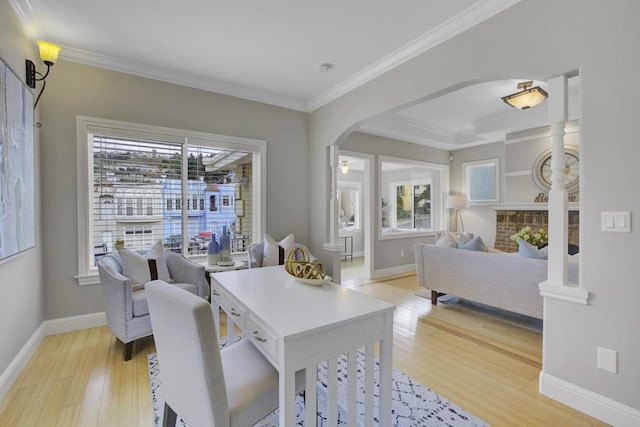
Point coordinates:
pixel 573 206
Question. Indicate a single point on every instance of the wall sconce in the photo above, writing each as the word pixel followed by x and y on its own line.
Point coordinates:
pixel 344 167
pixel 49 55
pixel 526 98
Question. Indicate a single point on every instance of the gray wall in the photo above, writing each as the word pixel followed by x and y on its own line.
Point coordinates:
pixel 387 253
pixel 21 286
pixel 479 220
pixel 75 89
pixel 596 38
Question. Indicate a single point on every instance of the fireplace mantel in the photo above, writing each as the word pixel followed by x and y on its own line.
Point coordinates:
pixel 573 206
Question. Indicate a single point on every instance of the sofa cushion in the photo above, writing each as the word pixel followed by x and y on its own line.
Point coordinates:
pixel 140 305
pixel 530 251
pixel 447 240
pixel 475 244
pixel 138 268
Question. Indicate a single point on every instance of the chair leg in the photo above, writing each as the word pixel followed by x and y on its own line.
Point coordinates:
pixel 128 350
pixel 170 417
pixel 434 297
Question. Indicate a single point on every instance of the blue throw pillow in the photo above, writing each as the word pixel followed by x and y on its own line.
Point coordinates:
pixel 530 251
pixel 475 244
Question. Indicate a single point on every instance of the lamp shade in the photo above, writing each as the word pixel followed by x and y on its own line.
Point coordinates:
pixel 48 52
pixel 456 202
pixel 527 98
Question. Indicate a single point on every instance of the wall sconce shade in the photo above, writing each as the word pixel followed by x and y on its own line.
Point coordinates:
pixel 49 55
pixel 527 98
pixel 48 52
pixel 344 167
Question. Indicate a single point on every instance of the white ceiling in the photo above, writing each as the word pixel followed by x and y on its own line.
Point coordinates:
pixel 269 52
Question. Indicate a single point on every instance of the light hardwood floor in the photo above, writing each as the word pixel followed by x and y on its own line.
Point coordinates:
pixel 487 366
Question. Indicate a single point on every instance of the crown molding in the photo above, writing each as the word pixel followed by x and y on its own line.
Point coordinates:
pixel 212 85
pixel 451 28
pixel 454 26
pixel 30 21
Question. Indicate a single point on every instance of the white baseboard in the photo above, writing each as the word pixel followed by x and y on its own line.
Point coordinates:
pixel 385 272
pixel 74 323
pixel 18 363
pixel 593 404
pixel 48 327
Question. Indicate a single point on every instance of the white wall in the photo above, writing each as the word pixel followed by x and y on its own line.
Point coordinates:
pixel 75 89
pixel 541 39
pixel 21 288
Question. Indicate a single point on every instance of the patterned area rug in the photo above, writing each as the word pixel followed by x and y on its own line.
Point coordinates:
pixel 487 310
pixel 413 403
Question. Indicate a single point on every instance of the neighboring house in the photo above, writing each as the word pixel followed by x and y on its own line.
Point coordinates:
pixel 595 38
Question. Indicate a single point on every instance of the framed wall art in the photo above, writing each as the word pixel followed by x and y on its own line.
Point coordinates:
pixel 17 174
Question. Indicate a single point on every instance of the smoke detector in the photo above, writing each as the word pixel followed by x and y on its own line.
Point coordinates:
pixel 325 67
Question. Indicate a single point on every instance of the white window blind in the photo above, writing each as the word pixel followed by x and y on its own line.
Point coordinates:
pixel 142 196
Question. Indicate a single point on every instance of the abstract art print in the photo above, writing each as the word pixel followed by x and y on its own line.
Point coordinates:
pixel 17 175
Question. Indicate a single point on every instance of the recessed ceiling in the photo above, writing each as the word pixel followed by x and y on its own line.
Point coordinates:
pixel 474 115
pixel 265 51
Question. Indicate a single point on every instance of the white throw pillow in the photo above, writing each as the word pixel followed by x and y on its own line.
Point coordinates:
pixel 447 240
pixel 135 266
pixel 528 250
pixel 271 253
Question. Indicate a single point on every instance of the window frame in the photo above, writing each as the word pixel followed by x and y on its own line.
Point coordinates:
pixel 356 187
pixel 88 126
pixel 393 202
pixel 438 197
pixel 466 166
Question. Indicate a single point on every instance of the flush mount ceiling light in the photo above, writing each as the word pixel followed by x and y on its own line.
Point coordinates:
pixel 324 67
pixel 49 55
pixel 344 167
pixel 526 98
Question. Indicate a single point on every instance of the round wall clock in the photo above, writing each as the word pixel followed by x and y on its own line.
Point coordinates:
pixel 542 170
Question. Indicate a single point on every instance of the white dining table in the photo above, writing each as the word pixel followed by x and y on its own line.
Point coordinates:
pixel 298 326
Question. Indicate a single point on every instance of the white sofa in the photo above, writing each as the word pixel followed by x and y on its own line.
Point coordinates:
pixel 506 281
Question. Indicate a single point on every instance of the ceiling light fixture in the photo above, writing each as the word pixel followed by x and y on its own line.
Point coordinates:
pixel 344 167
pixel 526 98
pixel 49 55
pixel 324 67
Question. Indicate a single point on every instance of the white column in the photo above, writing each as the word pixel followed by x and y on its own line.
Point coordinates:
pixel 558 195
pixel 333 200
pixel 333 245
pixel 557 285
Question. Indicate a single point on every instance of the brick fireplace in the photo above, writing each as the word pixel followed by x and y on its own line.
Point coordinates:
pixel 509 222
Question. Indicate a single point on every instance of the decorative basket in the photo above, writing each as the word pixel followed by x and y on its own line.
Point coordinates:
pixel 299 264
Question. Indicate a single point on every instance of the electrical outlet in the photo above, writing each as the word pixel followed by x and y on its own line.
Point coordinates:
pixel 401 252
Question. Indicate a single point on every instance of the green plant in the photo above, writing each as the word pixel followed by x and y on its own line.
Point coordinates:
pixel 535 238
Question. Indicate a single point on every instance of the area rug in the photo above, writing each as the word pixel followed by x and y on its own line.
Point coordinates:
pixel 487 310
pixel 413 404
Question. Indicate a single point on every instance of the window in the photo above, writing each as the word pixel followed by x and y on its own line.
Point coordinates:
pixel 141 169
pixel 349 205
pixel 481 179
pixel 411 206
pixel 412 196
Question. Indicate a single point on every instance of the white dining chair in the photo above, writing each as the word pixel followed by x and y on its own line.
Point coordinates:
pixel 207 386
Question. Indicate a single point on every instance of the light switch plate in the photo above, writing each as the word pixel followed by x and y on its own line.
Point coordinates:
pixel 619 222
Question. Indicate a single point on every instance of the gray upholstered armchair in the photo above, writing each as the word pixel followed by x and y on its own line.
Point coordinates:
pixel 126 306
